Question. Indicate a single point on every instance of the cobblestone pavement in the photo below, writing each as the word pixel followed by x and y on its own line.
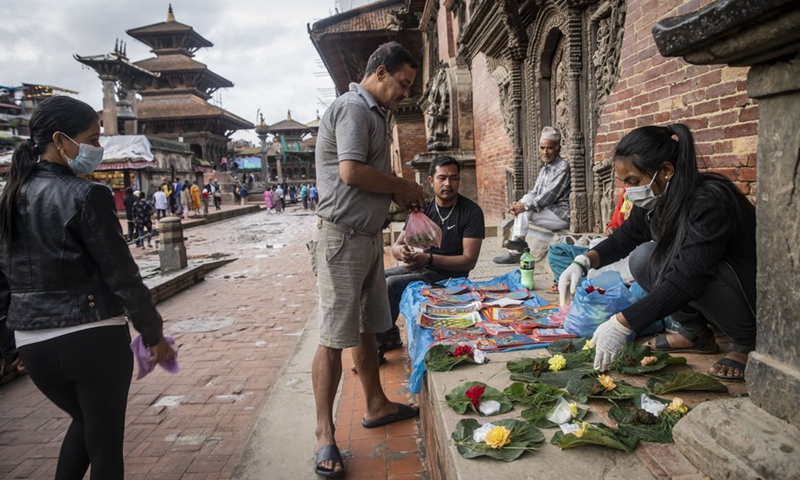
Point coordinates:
pixel 194 425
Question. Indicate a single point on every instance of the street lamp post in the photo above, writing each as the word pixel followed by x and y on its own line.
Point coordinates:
pixel 261 130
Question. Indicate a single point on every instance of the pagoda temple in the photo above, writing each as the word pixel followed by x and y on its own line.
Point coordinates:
pixel 175 89
pixel 294 145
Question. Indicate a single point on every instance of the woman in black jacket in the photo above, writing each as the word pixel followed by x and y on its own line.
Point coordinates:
pixel 691 237
pixel 68 285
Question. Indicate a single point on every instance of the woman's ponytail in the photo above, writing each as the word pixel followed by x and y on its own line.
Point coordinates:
pixel 22 161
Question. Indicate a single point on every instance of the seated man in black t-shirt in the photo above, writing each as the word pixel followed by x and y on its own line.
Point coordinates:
pixel 461 221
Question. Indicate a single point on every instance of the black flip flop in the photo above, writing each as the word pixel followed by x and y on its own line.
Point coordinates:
pixel 662 345
pixel 404 412
pixel 328 453
pixel 731 363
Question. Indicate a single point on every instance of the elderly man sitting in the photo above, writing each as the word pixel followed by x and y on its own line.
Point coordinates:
pixel 547 205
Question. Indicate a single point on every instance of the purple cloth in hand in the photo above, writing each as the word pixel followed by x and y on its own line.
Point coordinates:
pixel 145 359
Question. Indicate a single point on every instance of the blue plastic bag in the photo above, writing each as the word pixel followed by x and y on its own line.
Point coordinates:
pixel 656 327
pixel 590 309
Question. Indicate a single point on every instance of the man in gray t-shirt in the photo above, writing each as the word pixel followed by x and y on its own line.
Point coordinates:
pixel 354 174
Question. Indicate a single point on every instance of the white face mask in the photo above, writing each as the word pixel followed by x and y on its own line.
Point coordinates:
pixel 87 160
pixel 643 196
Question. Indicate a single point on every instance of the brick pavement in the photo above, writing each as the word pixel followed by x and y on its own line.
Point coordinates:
pixel 194 425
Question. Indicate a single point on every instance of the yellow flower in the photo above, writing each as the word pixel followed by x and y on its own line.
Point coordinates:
pixel 557 362
pixel 573 408
pixel 649 361
pixel 677 407
pixel 498 437
pixel 607 382
pixel 587 346
pixel 580 432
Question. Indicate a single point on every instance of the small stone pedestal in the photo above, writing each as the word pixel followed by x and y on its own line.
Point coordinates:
pixel 171 249
pixel 757 437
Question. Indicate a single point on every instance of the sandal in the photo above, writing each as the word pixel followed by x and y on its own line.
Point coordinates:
pixel 325 454
pixel 700 345
pixel 730 363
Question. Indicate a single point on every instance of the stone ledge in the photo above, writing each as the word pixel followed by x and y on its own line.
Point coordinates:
pixel 755 444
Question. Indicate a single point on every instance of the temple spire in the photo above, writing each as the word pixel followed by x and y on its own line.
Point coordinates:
pixel 170 14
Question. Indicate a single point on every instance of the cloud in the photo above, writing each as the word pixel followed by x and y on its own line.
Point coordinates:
pixel 262 46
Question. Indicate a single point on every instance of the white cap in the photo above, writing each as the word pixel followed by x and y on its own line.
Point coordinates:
pixel 550 133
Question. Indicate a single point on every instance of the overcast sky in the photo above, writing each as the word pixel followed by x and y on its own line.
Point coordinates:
pixel 262 46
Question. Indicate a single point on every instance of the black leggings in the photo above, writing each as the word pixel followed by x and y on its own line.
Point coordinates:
pixel 87 374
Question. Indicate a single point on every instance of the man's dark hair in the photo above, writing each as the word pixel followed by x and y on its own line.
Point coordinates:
pixel 443 161
pixel 129 191
pixel 391 55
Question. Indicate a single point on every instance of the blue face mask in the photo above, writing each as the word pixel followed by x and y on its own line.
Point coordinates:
pixel 87 160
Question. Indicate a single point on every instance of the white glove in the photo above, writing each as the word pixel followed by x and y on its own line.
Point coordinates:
pixel 571 277
pixel 609 339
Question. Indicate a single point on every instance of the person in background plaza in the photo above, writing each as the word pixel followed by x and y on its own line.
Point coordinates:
pixel 313 196
pixel 142 211
pixel 236 197
pixel 128 202
pixel 560 255
pixel 282 197
pixel 204 196
pixel 353 165
pixel 244 193
pixel 186 198
pixel 177 195
pixel 166 187
pixel 547 205
pixel 304 196
pixel 196 198
pixel 68 286
pixel 463 231
pixel 223 163
pixel 160 198
pixel 691 240
pixel 276 199
pixel 217 195
pixel 268 205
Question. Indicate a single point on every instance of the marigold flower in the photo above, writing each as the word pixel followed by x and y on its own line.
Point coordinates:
pixel 462 350
pixel 677 407
pixel 582 430
pixel 573 408
pixel 557 362
pixel 474 395
pixel 649 361
pixel 587 345
pixel 498 437
pixel 607 382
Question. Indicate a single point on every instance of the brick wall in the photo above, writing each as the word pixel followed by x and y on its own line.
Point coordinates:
pixel 493 149
pixel 409 139
pixel 711 100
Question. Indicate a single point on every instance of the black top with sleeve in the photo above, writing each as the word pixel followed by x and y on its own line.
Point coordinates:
pixel 67 262
pixel 717 237
pixel 466 221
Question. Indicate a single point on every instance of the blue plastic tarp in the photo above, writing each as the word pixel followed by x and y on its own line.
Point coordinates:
pixel 420 339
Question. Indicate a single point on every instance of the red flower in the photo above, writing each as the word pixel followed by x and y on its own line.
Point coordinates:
pixel 590 289
pixel 474 394
pixel 601 291
pixel 462 350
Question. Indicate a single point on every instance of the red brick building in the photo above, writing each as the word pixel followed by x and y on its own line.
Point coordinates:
pixel 495 72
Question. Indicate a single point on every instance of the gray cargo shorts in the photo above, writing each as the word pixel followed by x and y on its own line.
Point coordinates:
pixel 352 286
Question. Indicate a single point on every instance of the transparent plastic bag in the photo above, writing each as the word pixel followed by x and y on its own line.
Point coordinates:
pixel 422 232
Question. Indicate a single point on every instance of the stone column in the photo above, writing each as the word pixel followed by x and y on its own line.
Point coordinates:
pixel 109 105
pixel 757 437
pixel 171 249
